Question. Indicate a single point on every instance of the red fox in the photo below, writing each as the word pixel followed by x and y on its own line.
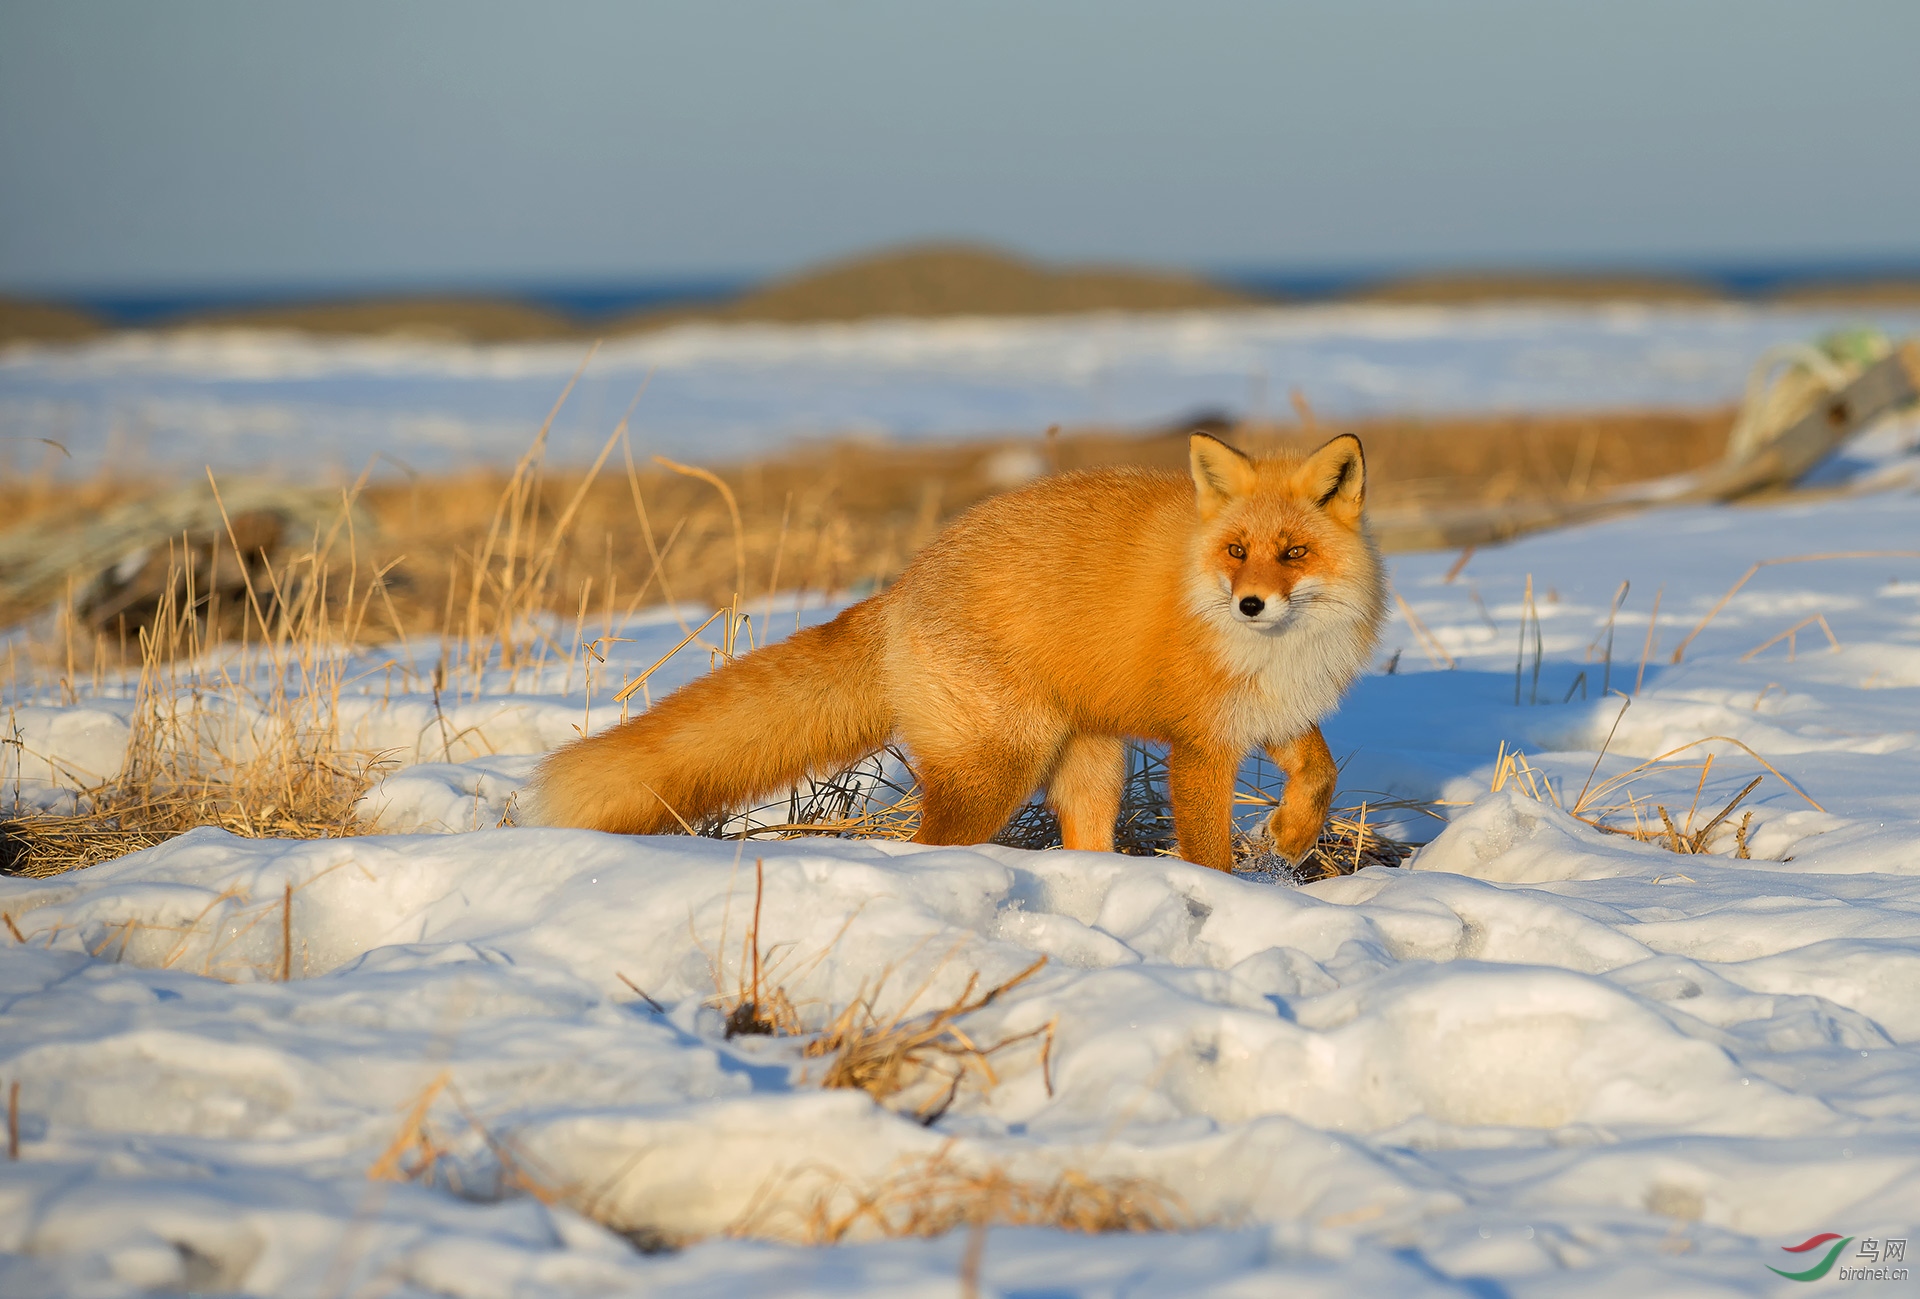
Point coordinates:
pixel 1025 644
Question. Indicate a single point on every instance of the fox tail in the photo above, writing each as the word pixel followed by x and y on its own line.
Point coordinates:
pixel 808 705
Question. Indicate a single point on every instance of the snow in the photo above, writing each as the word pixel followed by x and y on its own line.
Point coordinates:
pixel 1384 1063
pixel 240 400
pixel 1538 1060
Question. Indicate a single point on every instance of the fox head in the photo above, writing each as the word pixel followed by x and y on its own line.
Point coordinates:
pixel 1282 538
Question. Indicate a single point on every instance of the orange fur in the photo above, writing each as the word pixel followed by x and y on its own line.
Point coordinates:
pixel 1212 613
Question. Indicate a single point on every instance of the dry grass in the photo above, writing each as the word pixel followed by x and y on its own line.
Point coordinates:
pixel 1348 842
pixel 756 1006
pixel 422 1152
pixel 236 718
pixel 1691 834
pixel 866 802
pixel 891 1056
pixel 934 1195
pixel 243 734
pixel 811 1205
pixel 914 1062
pixel 272 774
pixel 846 516
pixel 1680 650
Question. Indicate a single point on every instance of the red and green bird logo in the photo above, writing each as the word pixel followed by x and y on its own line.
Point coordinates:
pixel 1825 1265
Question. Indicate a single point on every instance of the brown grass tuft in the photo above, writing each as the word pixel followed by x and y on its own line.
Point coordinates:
pixel 1651 822
pixel 886 1057
pixel 934 1195
pixel 1347 844
pixel 757 1006
pixel 924 1196
pixel 248 740
pixel 930 1054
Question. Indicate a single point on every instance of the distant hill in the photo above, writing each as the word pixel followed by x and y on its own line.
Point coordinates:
pixel 935 280
pixel 24 321
pixel 1498 286
pixel 943 280
pixel 1853 293
pixel 956 280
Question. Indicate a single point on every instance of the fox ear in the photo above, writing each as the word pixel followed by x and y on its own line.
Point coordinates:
pixel 1335 479
pixel 1220 473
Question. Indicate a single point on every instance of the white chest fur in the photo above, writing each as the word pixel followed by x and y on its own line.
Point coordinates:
pixel 1286 677
pixel 1300 681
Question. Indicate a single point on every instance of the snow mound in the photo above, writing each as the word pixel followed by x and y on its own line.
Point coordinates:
pixel 1269 1049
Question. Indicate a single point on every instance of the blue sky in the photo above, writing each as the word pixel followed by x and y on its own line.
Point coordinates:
pixel 196 144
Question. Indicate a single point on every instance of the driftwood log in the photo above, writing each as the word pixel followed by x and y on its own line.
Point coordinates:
pixel 1884 387
pixel 179 547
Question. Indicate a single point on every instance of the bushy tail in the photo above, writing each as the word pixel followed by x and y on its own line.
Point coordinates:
pixel 809 705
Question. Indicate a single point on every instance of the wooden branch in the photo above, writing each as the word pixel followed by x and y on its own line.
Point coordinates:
pixel 1884 387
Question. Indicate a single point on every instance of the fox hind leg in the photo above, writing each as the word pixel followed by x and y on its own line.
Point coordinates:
pixel 1200 787
pixel 1084 790
pixel 967 798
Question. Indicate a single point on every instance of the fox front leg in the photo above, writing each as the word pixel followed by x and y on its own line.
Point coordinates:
pixel 1302 814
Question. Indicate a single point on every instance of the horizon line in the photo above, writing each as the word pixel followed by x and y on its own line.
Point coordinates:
pixel 589 295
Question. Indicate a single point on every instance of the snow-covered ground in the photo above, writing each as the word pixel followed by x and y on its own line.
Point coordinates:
pixel 239 400
pixel 1539 1060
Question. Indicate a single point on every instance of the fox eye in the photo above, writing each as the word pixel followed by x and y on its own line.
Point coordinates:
pixel 1295 552
pixel 1237 550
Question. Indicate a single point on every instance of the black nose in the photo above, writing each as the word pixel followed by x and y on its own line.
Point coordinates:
pixel 1251 605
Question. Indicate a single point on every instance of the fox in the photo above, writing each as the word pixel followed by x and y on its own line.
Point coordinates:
pixel 1215 611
